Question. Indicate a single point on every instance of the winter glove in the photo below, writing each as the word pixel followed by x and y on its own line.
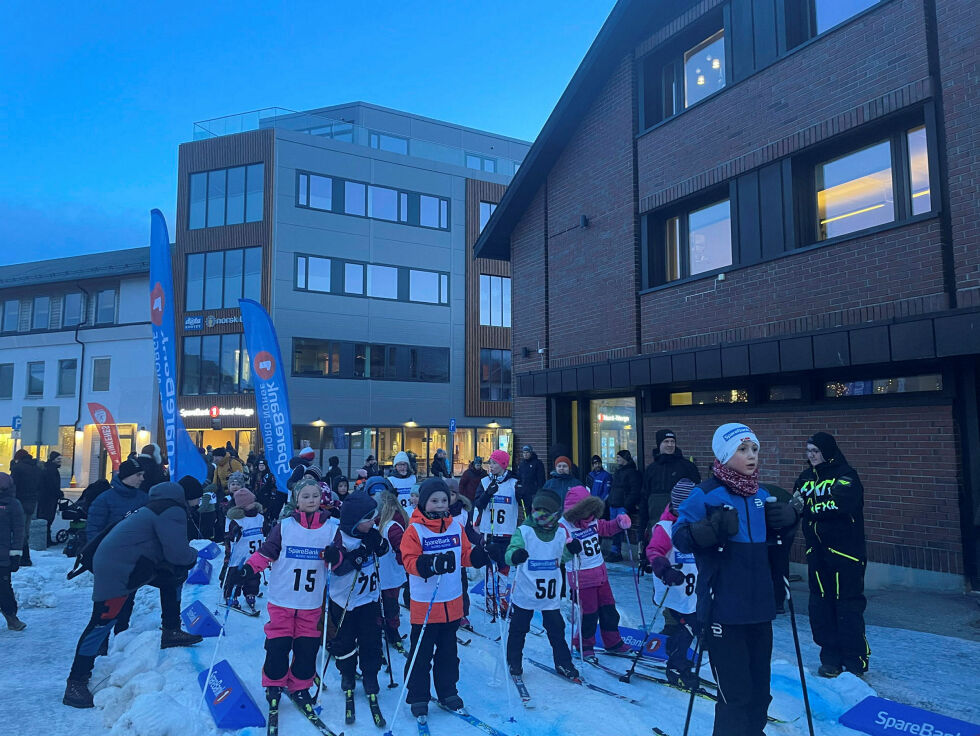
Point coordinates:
pixel 496 552
pixel 372 541
pixel 425 565
pixel 779 515
pixel 14 561
pixel 574 546
pixel 358 557
pixel 331 555
pixel 668 574
pixel 483 500
pixel 478 556
pixel 716 527
pixel 473 535
pixel 519 556
pixel 624 521
pixel 644 565
pixel 444 563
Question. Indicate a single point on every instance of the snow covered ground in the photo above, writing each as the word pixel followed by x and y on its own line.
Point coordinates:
pixel 149 692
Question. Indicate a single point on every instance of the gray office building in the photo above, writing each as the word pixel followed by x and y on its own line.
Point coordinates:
pixel 354 226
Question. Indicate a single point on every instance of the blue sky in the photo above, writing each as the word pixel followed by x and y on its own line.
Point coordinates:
pixel 96 97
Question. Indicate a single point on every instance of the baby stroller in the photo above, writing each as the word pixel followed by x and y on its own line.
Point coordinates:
pixel 74 536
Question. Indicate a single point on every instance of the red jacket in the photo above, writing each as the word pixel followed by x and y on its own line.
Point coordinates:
pixel 411 549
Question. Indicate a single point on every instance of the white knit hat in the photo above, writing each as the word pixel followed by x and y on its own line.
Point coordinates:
pixel 727 439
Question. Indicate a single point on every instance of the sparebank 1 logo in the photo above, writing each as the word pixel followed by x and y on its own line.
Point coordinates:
pixel 100 416
pixel 264 364
pixel 157 304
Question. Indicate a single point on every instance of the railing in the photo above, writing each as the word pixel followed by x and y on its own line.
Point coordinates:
pixel 339 130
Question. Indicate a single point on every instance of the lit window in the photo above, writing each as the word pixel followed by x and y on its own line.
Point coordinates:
pixel 919 171
pixel 704 69
pixel 884 386
pixel 710 237
pixel 707 398
pixel 854 191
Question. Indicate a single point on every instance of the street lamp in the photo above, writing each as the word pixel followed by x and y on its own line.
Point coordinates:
pixel 320 424
pixel 411 423
pixel 494 424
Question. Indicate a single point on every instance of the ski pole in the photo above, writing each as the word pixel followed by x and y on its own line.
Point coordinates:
pixel 577 615
pixel 391 677
pixel 504 635
pixel 636 581
pixel 646 636
pixel 415 653
pixel 343 616
pixel 699 655
pixel 323 639
pixel 214 657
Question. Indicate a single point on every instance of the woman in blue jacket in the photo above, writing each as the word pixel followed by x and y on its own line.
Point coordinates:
pixel 727 525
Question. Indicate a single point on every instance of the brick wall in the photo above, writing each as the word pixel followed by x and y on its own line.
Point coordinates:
pixel 892 274
pixel 958 31
pixel 907 458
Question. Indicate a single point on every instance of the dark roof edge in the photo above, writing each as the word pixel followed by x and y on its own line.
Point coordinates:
pixel 76 268
pixel 494 241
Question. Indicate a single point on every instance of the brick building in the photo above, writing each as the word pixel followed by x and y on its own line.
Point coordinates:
pixel 765 210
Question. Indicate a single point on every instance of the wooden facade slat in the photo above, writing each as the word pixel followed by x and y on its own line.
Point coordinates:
pixel 480 336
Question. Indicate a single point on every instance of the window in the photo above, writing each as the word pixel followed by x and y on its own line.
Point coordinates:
pixel 105 307
pixel 336 359
pixel 301 263
pixel 919 170
pixel 71 311
pixel 855 192
pixel 383 203
pixel 35 379
pixel 444 289
pixel 808 18
pixel 708 398
pixel 883 386
pixel 316 191
pixel 215 364
pixel 481 163
pixel 423 286
pixel 100 373
pixel 67 373
pixel 190 366
pixel 494 375
pixel 11 315
pixel 336 131
pixel 210 364
pixel 429 211
pixel 318 275
pixel 225 196
pixel 494 301
pixel 386 142
pixel 382 282
pixel 6 380
pixel 486 209
pixel 218 279
pixel 683 73
pixel 787 392
pixel 690 242
pixel 353 278
pixel 354 194
pixel 41 318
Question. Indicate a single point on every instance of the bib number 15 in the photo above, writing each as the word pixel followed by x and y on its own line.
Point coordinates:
pixel 308 583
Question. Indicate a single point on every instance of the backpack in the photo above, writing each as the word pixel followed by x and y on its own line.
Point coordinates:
pixel 86 557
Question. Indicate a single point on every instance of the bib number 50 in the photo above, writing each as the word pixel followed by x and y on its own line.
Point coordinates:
pixel 545 588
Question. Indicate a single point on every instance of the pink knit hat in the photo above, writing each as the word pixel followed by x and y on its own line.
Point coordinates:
pixel 244 498
pixel 500 457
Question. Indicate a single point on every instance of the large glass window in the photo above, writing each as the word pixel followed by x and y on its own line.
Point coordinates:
pixel 214 275
pixel 11 315
pixel 423 286
pixel 855 191
pixel 386 142
pixel 100 373
pixel 67 374
pixel 884 386
pixel 613 423
pixel 318 275
pixel 494 301
pixel 210 364
pixel 495 375
pixel 919 170
pixel 194 301
pixel 354 198
pixel 230 361
pixel 71 313
pixel 486 209
pixel 383 203
pixel 252 284
pixel 354 278
pixel 218 279
pixel 829 13
pixel 198 205
pixel 710 397
pixel 190 366
pixel 255 184
pixel 336 359
pixel 236 196
pixel 215 364
pixel 704 69
pixel 6 380
pixel 481 163
pixel 216 197
pixel 105 307
pixel 382 282
pixel 35 379
pixel 41 316
pixel 225 196
pixel 428 211
pixel 710 237
pixel 233 278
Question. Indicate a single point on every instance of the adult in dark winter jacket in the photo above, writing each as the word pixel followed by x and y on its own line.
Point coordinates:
pixel 124 495
pixel 440 465
pixel 27 477
pixel 599 479
pixel 266 492
pixel 333 472
pixel 530 475
pixel 469 483
pixel 667 467
pixel 148 547
pixel 50 493
pixel 11 549
pixel 727 525
pixel 371 467
pixel 624 497
pixel 561 479
pixel 833 527
pixel 151 461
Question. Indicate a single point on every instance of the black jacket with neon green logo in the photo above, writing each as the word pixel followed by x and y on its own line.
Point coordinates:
pixel 833 509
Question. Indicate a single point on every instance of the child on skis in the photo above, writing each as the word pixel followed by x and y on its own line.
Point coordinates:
pixel 244 537
pixel 674 586
pixel 298 552
pixel 392 522
pixel 461 510
pixel 726 524
pixel 587 576
pixel 499 517
pixel 434 547
pixel 537 549
pixel 355 609
pixel 403 481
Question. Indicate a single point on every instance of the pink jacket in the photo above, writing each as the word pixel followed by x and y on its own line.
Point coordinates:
pixel 596 576
pixel 272 545
pixel 660 542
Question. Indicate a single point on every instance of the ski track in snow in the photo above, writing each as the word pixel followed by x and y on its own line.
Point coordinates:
pixel 150 692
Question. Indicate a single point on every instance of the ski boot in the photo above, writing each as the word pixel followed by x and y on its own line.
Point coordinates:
pixel 829 670
pixel 178 638
pixel 77 695
pixel 347 685
pixel 233 603
pixel 420 710
pixel 14 623
pixel 569 672
pixel 619 648
pixel 250 604
pixel 516 669
pixel 379 720
pixel 683 678
pixel 399 646
pixel 452 702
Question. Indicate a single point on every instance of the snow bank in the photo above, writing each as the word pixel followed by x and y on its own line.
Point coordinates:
pixel 34 588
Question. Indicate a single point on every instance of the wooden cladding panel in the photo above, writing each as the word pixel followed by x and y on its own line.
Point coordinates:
pixel 480 336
